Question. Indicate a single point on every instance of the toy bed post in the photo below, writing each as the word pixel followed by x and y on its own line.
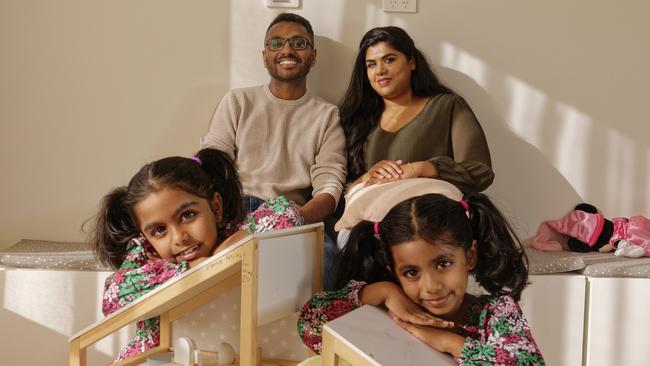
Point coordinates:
pixel 334 349
pixel 238 265
pixel 248 324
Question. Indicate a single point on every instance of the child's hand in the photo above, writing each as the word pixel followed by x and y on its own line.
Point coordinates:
pixel 441 340
pixel 403 308
pixel 393 297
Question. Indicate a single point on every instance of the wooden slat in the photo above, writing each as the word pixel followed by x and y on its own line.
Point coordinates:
pixel 328 351
pixel 77 354
pixel 334 349
pixel 141 357
pixel 165 330
pixel 318 259
pixel 249 282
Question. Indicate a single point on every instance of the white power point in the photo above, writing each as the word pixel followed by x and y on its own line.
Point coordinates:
pixel 400 6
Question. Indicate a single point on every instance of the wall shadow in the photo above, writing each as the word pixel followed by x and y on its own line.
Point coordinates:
pixel 334 60
pixel 538 180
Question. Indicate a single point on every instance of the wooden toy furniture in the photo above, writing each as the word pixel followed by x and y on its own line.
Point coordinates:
pixel 277 271
pixel 368 337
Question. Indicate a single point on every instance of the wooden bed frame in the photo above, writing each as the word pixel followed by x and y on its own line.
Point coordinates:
pixel 277 271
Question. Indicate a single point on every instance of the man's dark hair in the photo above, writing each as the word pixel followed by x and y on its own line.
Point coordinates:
pixel 290 17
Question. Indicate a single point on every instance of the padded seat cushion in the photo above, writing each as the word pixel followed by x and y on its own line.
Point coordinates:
pixel 591 264
pixel 45 254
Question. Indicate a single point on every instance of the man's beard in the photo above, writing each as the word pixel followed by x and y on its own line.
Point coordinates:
pixel 304 70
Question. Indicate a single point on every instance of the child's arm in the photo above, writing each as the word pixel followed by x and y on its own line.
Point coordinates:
pixel 329 305
pixel 441 340
pixel 137 276
pixel 324 307
pixel 391 295
pixel 502 334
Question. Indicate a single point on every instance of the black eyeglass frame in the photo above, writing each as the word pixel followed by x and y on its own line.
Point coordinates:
pixel 290 40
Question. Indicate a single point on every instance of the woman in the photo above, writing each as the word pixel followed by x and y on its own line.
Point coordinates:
pixel 401 122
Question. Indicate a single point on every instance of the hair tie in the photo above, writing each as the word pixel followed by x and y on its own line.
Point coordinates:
pixel 376 229
pixel 464 204
pixel 197 159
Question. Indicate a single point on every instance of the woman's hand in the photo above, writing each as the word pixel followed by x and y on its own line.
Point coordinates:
pixel 441 340
pixel 389 171
pixel 386 169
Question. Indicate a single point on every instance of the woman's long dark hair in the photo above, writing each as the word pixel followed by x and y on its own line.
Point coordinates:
pixel 502 265
pixel 115 223
pixel 361 107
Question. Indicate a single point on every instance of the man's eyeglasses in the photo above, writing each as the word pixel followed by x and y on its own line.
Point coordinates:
pixel 296 43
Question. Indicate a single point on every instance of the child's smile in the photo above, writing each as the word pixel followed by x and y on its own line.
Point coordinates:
pixel 189 253
pixel 179 225
pixel 434 275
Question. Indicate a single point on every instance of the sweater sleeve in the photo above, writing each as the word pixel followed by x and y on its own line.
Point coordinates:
pixel 504 337
pixel 324 307
pixel 471 168
pixel 136 277
pixel 329 169
pixel 223 126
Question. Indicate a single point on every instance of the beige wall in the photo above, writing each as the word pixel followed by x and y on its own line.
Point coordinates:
pixel 91 90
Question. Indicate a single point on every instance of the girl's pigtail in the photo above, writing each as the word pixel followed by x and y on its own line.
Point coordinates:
pixel 114 228
pixel 225 180
pixel 364 258
pixel 502 263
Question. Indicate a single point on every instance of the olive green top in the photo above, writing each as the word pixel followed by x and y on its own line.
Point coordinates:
pixel 447 134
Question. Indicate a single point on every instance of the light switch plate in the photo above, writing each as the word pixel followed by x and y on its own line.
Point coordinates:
pixel 282 3
pixel 400 6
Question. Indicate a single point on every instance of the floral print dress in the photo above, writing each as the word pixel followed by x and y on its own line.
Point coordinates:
pixel 139 273
pixel 495 329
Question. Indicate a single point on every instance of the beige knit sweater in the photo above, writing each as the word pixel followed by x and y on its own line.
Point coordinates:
pixel 294 148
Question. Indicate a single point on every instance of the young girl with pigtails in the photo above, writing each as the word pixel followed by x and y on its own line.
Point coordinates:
pixel 174 212
pixel 416 262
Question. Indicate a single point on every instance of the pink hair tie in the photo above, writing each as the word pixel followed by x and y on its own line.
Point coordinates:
pixel 376 227
pixel 197 159
pixel 464 204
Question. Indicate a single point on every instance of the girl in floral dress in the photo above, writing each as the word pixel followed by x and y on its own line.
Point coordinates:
pixel 174 212
pixel 416 263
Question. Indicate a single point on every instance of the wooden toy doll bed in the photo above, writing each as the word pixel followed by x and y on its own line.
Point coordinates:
pixel 277 272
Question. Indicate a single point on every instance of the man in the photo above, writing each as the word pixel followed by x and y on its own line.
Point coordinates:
pixel 284 140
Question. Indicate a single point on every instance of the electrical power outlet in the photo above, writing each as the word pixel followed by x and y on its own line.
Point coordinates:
pixel 400 6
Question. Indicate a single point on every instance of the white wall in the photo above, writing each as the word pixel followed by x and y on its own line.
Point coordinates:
pixel 91 90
